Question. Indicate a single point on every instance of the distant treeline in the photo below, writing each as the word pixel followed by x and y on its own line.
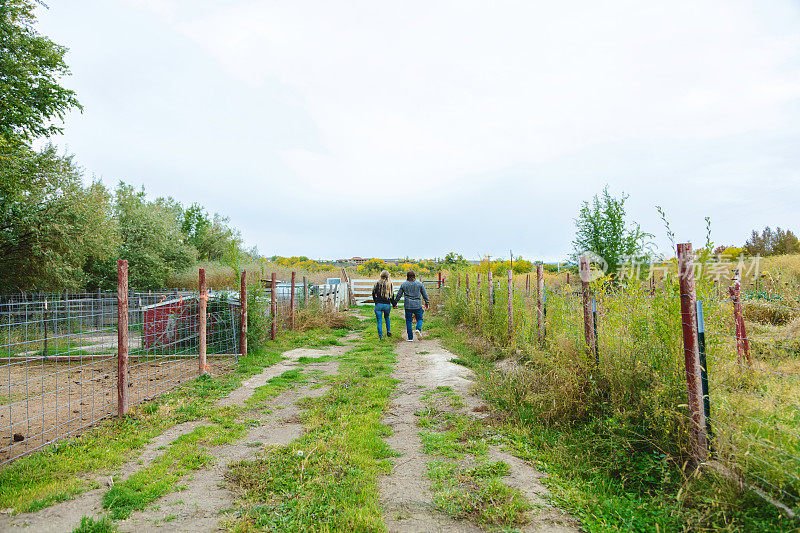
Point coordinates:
pixel 56 233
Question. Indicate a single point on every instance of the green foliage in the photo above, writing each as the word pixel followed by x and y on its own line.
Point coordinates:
pixel 768 242
pixel 30 67
pixel 50 224
pixel 454 260
pixel 151 241
pixel 601 229
pixel 90 525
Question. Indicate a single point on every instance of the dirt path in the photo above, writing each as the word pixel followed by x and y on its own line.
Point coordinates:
pixel 197 507
pixel 405 494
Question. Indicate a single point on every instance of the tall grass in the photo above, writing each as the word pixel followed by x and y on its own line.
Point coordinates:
pixel 632 393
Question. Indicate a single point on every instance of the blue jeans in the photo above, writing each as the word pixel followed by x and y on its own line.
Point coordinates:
pixel 382 313
pixel 410 313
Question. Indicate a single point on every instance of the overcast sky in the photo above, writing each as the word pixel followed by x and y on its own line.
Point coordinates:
pixel 375 128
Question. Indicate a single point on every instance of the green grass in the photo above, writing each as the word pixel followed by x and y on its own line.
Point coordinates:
pixel 475 492
pixel 90 525
pixel 606 485
pixel 327 479
pixel 274 386
pixel 187 453
pixel 61 471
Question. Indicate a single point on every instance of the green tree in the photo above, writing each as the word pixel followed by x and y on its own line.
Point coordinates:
pixel 454 260
pixel 51 226
pixel 30 68
pixel 768 242
pixel 151 241
pixel 601 229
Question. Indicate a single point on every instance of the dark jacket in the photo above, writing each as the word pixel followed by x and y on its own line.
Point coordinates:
pixel 378 299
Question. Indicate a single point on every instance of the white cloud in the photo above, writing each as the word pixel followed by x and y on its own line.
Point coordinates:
pixel 433 91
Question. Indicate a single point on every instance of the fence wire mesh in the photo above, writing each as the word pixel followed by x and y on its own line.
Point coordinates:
pixel 58 357
pixel 753 372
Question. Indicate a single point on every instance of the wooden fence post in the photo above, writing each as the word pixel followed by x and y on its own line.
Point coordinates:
pixel 691 352
pixel 466 286
pixel 122 337
pixel 478 295
pixel 305 291
pixel 439 283
pixel 742 344
pixel 202 321
pixel 273 308
pixel 490 283
pixel 588 329
pixel 351 298
pixel 511 305
pixel 243 318
pixel 291 303
pixel 539 302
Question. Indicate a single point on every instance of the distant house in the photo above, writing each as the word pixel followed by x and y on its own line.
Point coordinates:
pixel 358 260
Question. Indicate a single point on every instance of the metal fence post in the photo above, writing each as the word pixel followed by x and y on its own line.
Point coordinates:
pixel 273 308
pixel 305 292
pixel 539 302
pixel 201 320
pixel 510 305
pixel 243 317
pixel 701 344
pixel 291 303
pixel 588 329
pixel 122 337
pixel 691 352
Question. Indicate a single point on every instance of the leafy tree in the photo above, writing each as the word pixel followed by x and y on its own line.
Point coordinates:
pixel 50 225
pixel 602 230
pixel 151 241
pixel 30 67
pixel 454 260
pixel 768 242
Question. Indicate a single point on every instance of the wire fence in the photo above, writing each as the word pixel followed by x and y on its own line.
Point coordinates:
pixel 625 351
pixel 59 355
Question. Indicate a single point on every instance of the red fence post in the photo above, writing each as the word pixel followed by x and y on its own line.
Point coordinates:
pixel 539 303
pixel 291 302
pixel 588 330
pixel 122 337
pixel 510 305
pixel 273 308
pixel 691 352
pixel 439 283
pixel 243 318
pixel 201 321
pixel 742 344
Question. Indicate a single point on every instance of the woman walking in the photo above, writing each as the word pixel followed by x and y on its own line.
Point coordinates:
pixel 383 296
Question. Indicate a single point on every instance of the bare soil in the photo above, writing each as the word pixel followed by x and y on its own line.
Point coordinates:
pixel 41 402
pixel 405 494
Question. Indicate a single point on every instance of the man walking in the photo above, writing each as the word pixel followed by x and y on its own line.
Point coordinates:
pixel 414 292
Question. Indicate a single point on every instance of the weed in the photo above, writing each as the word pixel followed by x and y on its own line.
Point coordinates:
pixel 90 525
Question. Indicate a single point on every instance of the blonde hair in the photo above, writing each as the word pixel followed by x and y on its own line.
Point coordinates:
pixel 385 286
